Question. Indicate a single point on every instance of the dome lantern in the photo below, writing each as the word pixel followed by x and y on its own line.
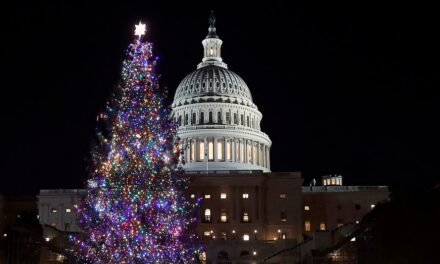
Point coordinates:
pixel 212 46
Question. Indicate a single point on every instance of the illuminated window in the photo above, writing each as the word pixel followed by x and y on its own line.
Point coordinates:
pixel 241 151
pixel 237 151
pixel 68 210
pixel 192 196
pixel 245 217
pixel 201 150
pixel 210 150
pixel 207 233
pixel 193 151
pixel 255 154
pixel 207 215
pixel 223 217
pixel 246 237
pixel 223 196
pixel 333 181
pixel 283 215
pixel 207 196
pixel 219 150
pixel 228 118
pixel 306 208
pixel 228 150
pixel 249 153
pixel 283 196
pixel 54 210
pixel 322 226
pixel 307 226
pixel 211 51
pixel 372 206
pixel 245 196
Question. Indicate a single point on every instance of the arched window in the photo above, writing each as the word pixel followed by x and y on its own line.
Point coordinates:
pixel 219 117
pixel 210 117
pixel 193 119
pixel 202 118
pixel 207 217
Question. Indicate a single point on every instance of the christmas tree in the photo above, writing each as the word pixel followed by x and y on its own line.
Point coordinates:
pixel 136 209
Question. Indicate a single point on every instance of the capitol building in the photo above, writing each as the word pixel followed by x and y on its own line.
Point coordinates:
pixel 248 213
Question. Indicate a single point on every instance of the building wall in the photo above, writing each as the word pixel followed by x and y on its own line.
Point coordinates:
pixel 338 205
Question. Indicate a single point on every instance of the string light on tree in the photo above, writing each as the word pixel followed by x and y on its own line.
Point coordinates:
pixel 136 209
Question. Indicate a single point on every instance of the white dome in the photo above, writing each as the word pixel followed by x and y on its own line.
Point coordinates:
pixel 209 82
pixel 219 125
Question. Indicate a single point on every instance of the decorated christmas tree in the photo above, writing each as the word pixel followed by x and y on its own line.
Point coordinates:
pixel 136 209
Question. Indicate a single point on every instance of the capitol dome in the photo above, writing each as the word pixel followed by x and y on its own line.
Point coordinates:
pixel 219 125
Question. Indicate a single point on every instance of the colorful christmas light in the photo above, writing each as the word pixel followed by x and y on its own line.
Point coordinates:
pixel 137 209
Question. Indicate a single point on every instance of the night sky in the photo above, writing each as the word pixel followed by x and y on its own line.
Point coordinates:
pixel 344 89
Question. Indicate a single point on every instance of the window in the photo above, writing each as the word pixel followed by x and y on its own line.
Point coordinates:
pixel 219 150
pixel 207 196
pixel 210 117
pixel 193 151
pixel 228 150
pixel 235 119
pixel 193 119
pixel 207 215
pixel 242 120
pixel 207 233
pixel 283 196
pixel 210 150
pixel 202 118
pixel 201 150
pixel 219 117
pixel 223 217
pixel 246 237
pixel 241 152
pixel 186 119
pixel 180 120
pixel 54 210
pixel 307 226
pixel 245 196
pixel 247 121
pixel 249 153
pixel 228 118
pixel 68 210
pixel 283 215
pixel 245 217
pixel 306 208
pixel 322 226
pixel 357 206
pixel 223 196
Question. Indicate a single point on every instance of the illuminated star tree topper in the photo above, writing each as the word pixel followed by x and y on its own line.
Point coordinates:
pixel 140 30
